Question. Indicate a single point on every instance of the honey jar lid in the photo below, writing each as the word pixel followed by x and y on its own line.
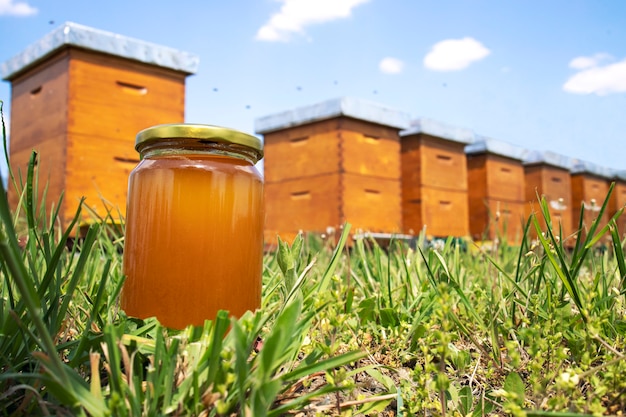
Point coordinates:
pixel 199 132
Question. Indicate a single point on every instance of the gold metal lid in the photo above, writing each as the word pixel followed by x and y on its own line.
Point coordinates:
pixel 199 132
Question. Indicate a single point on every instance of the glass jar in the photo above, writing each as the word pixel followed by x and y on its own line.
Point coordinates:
pixel 194 225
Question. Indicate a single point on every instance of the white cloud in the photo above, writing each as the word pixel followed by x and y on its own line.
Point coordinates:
pixel 391 65
pixel 583 62
pixel 294 15
pixel 596 79
pixel 455 54
pixel 16 8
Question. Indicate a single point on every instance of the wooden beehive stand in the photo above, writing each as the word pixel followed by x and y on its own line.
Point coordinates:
pixel 547 175
pixel 329 163
pixel 434 179
pixel 590 186
pixel 79 97
pixel 496 192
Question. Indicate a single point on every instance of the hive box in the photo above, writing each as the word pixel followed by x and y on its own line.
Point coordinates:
pixel 79 97
pixel 547 175
pixel 618 201
pixel 496 192
pixel 590 186
pixel 330 163
pixel 434 179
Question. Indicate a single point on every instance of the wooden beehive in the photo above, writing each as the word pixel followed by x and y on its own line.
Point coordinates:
pixel 79 97
pixel 618 201
pixel 496 192
pixel 547 175
pixel 331 163
pixel 590 187
pixel 434 179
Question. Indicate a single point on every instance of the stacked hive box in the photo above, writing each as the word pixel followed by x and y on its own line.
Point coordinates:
pixel 496 191
pixel 434 179
pixel 547 175
pixel 343 160
pixel 590 186
pixel 79 96
pixel 333 162
pixel 618 200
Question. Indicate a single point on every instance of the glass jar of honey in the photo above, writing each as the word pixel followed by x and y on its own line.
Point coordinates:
pixel 194 225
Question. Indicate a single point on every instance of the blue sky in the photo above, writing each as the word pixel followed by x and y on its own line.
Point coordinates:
pixel 545 75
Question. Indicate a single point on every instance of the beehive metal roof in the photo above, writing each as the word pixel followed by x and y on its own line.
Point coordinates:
pixel 549 158
pixel 620 175
pixel 484 144
pixel 586 167
pixel 441 130
pixel 73 34
pixel 344 106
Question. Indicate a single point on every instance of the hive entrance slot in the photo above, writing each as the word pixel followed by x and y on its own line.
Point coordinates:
pixel 371 138
pixel 126 160
pixel 300 195
pixel 299 140
pixel 130 88
pixel 35 91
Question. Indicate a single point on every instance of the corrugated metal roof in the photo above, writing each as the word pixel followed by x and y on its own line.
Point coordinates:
pixel 484 144
pixel 621 175
pixel 549 158
pixel 586 167
pixel 101 41
pixel 344 106
pixel 434 128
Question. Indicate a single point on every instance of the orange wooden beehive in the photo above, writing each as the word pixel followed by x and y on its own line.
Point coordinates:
pixel 547 175
pixel 79 97
pixel 496 192
pixel 330 163
pixel 434 179
pixel 618 201
pixel 590 186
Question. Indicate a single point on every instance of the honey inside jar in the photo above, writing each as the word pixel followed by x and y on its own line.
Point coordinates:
pixel 194 234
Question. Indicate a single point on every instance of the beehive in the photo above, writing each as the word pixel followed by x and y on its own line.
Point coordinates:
pixel 547 175
pixel 496 192
pixel 79 96
pixel 330 163
pixel 618 201
pixel 434 179
pixel 590 186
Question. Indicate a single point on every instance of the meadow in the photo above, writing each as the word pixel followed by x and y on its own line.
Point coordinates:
pixel 346 327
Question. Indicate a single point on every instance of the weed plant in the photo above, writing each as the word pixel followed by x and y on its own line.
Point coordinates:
pixel 346 327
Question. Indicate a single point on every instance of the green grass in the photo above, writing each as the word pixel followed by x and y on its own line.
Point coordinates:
pixel 346 328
